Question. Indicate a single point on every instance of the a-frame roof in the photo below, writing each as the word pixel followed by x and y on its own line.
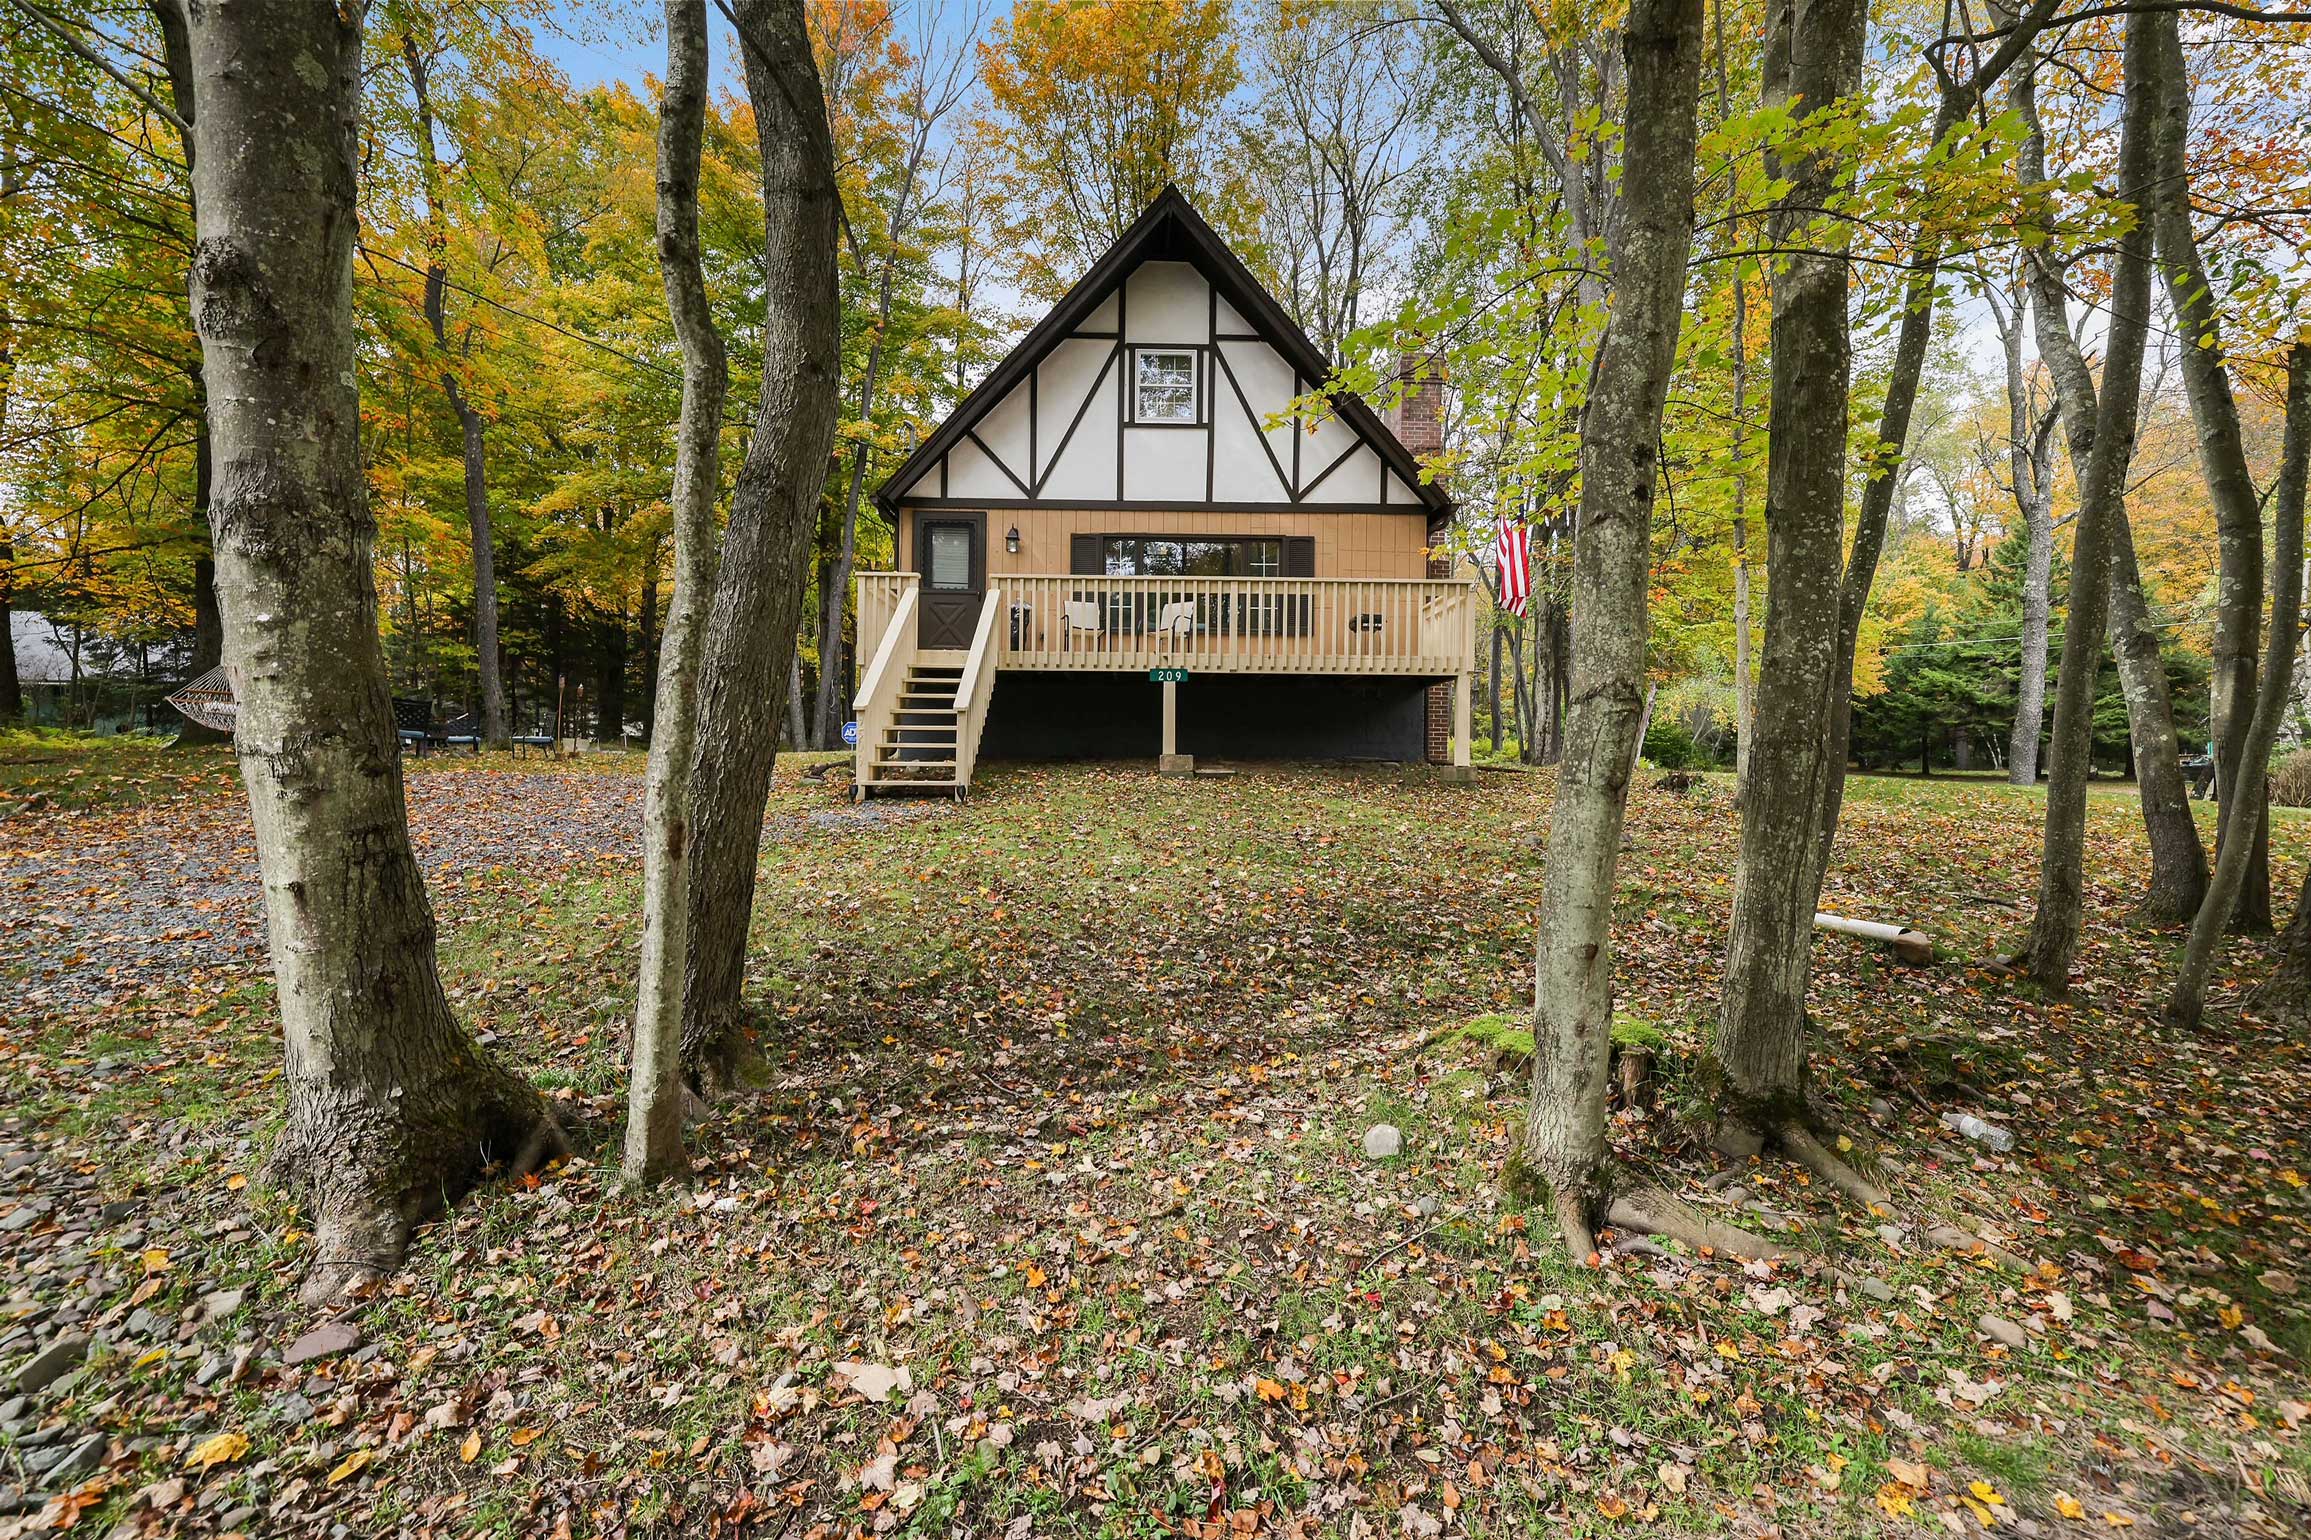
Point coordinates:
pixel 1169 231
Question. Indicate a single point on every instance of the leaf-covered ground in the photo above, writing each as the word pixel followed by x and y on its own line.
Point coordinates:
pixel 1052 1216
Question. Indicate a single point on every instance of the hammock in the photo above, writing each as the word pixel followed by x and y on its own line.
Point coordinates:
pixel 208 700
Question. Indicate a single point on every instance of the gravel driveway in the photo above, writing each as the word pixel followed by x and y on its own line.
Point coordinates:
pixel 99 904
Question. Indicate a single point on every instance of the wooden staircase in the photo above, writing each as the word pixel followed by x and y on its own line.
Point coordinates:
pixel 918 747
pixel 921 712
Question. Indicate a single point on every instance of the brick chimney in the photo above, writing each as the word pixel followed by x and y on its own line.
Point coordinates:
pixel 1419 416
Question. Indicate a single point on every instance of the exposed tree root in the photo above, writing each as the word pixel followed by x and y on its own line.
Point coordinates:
pixel 1798 1142
pixel 1653 1211
pixel 370 1187
pixel 1959 1238
pixel 719 1059
pixel 1573 1224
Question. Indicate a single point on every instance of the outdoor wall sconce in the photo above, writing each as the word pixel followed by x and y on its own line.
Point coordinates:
pixel 1011 540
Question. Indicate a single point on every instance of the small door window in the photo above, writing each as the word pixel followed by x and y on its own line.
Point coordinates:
pixel 951 557
pixel 1166 381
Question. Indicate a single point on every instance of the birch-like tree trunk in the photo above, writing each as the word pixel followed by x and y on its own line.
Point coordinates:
pixel 208 623
pixel 2223 459
pixel 392 1105
pixel 11 686
pixel 2178 880
pixel 1886 457
pixel 2188 1001
pixel 2062 857
pixel 2030 472
pixel 1564 1136
pixel 1813 54
pixel 654 1092
pixel 758 604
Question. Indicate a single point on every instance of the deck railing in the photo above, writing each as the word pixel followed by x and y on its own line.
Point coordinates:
pixel 879 596
pixel 1219 625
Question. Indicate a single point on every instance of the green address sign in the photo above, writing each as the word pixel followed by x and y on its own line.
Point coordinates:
pixel 1168 675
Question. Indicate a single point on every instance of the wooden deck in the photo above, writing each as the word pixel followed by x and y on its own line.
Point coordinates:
pixel 921 712
pixel 1419 627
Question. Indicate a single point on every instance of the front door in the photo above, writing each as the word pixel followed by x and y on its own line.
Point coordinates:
pixel 951 554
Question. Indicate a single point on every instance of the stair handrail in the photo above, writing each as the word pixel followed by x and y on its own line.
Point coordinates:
pixel 973 690
pixel 878 690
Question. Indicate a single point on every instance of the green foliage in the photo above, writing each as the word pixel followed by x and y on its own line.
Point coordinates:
pixel 1669 745
pixel 1955 666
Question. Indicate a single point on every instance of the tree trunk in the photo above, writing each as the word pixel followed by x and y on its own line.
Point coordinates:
pixel 1564 1136
pixel 2246 812
pixel 1759 1049
pixel 650 643
pixel 2061 870
pixel 654 1094
pixel 11 687
pixel 2178 881
pixel 392 1105
pixel 208 623
pixel 495 733
pixel 610 662
pixel 1493 689
pixel 2030 467
pixel 1887 454
pixel 1744 673
pixel 2223 458
pixel 795 731
pixel 833 698
pixel 757 607
pixel 1520 695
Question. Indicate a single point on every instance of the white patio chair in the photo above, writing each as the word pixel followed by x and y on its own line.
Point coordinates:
pixel 1177 620
pixel 1083 615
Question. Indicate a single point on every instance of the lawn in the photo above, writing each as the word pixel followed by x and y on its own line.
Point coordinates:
pixel 1051 1214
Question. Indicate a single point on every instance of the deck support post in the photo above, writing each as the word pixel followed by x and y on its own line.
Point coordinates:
pixel 1462 728
pixel 1173 761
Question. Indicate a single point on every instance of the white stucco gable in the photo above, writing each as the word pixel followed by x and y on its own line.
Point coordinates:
pixel 1162 380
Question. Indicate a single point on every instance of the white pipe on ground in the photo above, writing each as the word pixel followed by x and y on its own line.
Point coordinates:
pixel 1912 946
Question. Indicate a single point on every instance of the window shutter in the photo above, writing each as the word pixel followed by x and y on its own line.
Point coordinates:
pixel 1300 556
pixel 1083 557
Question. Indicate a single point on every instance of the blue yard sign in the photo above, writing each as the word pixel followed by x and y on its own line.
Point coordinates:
pixel 851 734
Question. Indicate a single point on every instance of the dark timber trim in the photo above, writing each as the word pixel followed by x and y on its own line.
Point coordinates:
pixel 1082 409
pixel 1204 391
pixel 1123 381
pixel 1145 505
pixel 997 460
pixel 1170 230
pixel 1258 432
pixel 1345 456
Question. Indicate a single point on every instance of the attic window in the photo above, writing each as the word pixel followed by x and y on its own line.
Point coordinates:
pixel 1164 381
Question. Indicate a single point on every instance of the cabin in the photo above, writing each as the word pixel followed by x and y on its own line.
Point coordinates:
pixel 1118 547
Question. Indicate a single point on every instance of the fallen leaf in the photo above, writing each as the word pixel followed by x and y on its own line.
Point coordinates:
pixel 352 1465
pixel 220 1449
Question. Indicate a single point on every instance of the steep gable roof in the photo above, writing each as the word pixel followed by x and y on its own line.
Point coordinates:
pixel 1169 231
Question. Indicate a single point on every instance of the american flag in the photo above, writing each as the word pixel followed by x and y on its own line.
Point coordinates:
pixel 1513 550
